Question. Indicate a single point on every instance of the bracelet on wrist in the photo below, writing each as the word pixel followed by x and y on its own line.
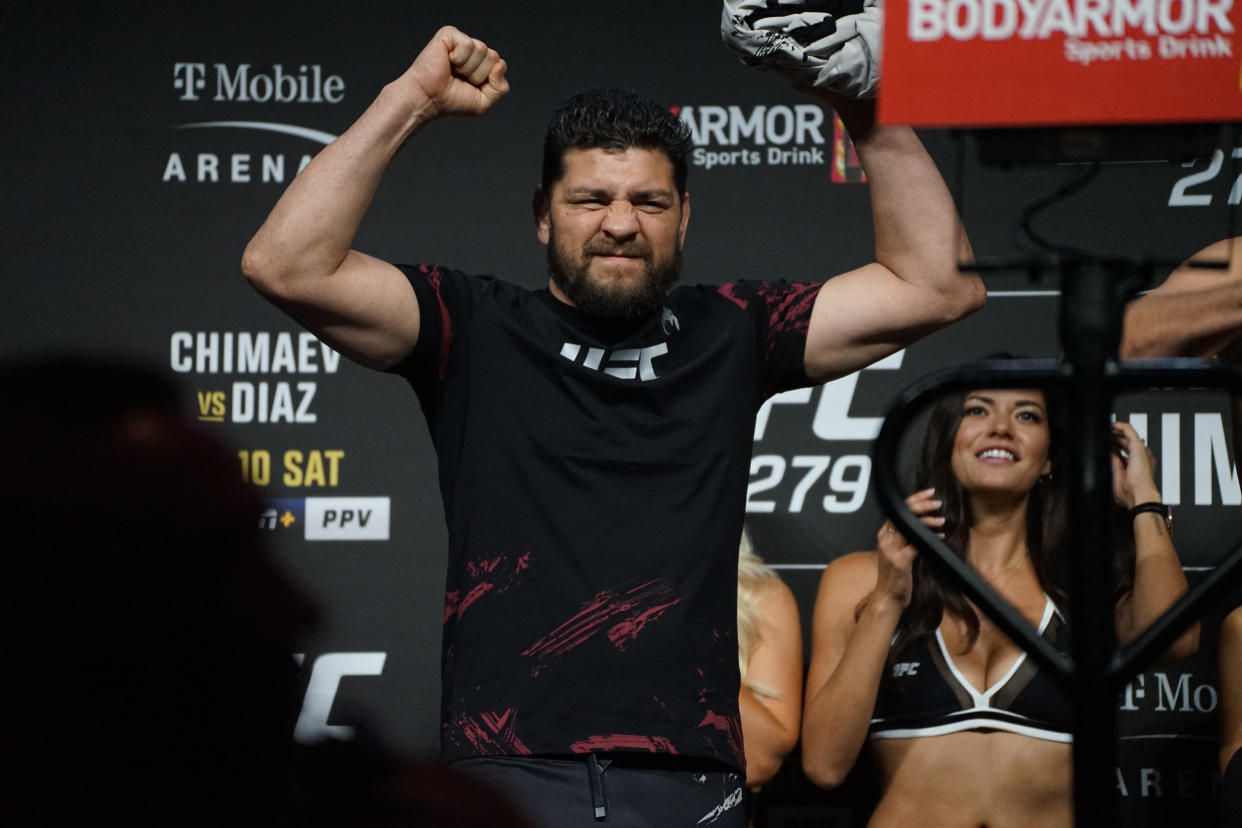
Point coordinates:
pixel 1163 509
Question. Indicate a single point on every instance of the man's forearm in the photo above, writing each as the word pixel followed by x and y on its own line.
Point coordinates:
pixel 1196 312
pixel 1193 324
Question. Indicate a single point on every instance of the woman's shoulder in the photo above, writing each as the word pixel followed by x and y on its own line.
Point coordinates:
pixel 1231 628
pixel 853 574
pixel 776 598
pixel 853 565
pixel 777 608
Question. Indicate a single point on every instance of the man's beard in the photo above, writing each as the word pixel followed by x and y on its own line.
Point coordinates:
pixel 628 300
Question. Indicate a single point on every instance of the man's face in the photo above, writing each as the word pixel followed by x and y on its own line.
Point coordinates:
pixel 614 226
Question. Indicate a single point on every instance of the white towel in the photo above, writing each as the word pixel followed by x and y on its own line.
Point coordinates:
pixel 834 44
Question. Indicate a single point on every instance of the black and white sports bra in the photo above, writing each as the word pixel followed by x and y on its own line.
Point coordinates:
pixel 924 694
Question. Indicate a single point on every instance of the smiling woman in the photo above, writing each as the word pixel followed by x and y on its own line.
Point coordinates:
pixel 1002 441
pixel 964 727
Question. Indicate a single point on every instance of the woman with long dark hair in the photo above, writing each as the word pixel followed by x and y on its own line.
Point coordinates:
pixel 965 729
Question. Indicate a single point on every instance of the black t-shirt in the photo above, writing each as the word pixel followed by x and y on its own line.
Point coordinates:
pixel 594 475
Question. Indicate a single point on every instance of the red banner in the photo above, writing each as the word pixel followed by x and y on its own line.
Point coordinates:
pixel 1048 62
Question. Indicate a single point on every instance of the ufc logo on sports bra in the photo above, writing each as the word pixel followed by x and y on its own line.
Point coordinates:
pixel 906 668
pixel 627 364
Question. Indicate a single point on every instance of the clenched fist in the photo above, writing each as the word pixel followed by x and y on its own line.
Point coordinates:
pixel 458 74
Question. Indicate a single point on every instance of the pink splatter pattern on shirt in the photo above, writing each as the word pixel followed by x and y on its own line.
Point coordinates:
pixel 435 278
pixel 731 725
pixel 635 607
pixel 729 292
pixel 483 576
pixel 490 734
pixel 624 741
pixel 789 306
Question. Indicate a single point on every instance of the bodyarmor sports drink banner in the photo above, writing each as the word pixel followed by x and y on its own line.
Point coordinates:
pixel 146 143
pixel 1047 62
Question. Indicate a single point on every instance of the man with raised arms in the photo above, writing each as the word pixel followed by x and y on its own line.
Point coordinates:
pixel 594 438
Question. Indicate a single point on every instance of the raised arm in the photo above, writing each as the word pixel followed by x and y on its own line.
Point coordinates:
pixel 301 258
pixel 1158 577
pixel 914 286
pixel 847 659
pixel 849 649
pixel 1195 312
pixel 771 695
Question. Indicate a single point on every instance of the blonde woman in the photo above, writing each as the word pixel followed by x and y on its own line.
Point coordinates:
pixel 769 652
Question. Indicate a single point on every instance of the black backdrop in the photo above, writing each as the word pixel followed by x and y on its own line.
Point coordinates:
pixel 145 143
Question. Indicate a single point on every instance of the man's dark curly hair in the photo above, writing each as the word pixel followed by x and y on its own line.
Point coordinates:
pixel 613 119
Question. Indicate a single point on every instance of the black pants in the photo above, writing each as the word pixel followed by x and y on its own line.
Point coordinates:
pixel 631 791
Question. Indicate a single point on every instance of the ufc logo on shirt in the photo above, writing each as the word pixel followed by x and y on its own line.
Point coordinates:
pixel 906 668
pixel 627 364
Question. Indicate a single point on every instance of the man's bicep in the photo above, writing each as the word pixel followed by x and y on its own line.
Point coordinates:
pixel 366 309
pixel 864 315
